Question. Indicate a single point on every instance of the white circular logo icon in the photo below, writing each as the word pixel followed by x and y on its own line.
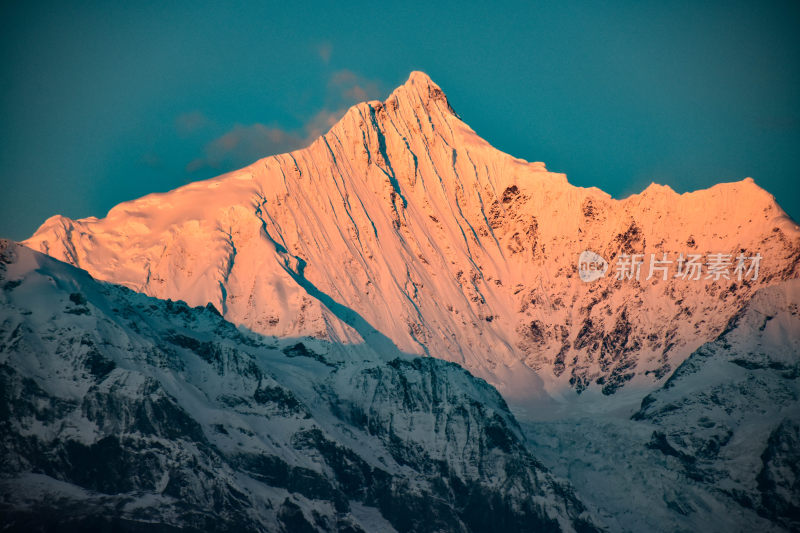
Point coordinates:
pixel 591 266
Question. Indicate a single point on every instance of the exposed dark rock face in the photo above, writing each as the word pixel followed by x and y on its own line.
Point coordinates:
pixel 779 478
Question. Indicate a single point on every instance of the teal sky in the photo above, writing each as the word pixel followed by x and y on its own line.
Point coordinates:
pixel 104 103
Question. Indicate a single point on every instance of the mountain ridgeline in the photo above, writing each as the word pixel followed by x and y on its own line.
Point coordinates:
pixel 402 226
pixel 392 330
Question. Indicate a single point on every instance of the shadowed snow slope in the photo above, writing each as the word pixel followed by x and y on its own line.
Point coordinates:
pixel 121 412
pixel 401 227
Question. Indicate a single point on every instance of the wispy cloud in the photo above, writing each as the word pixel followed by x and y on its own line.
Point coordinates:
pixel 152 159
pixel 189 123
pixel 245 143
pixel 348 86
pixel 324 50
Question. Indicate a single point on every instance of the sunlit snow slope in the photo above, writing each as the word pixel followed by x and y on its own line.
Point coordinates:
pixel 402 226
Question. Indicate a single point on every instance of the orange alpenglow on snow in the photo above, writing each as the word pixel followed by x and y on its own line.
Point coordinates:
pixel 401 228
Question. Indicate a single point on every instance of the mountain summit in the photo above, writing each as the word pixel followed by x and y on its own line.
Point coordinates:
pixel 401 228
pixel 421 87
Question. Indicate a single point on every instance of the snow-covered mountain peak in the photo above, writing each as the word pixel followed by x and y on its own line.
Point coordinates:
pixel 655 189
pixel 417 77
pixel 402 227
pixel 420 88
pixel 419 100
